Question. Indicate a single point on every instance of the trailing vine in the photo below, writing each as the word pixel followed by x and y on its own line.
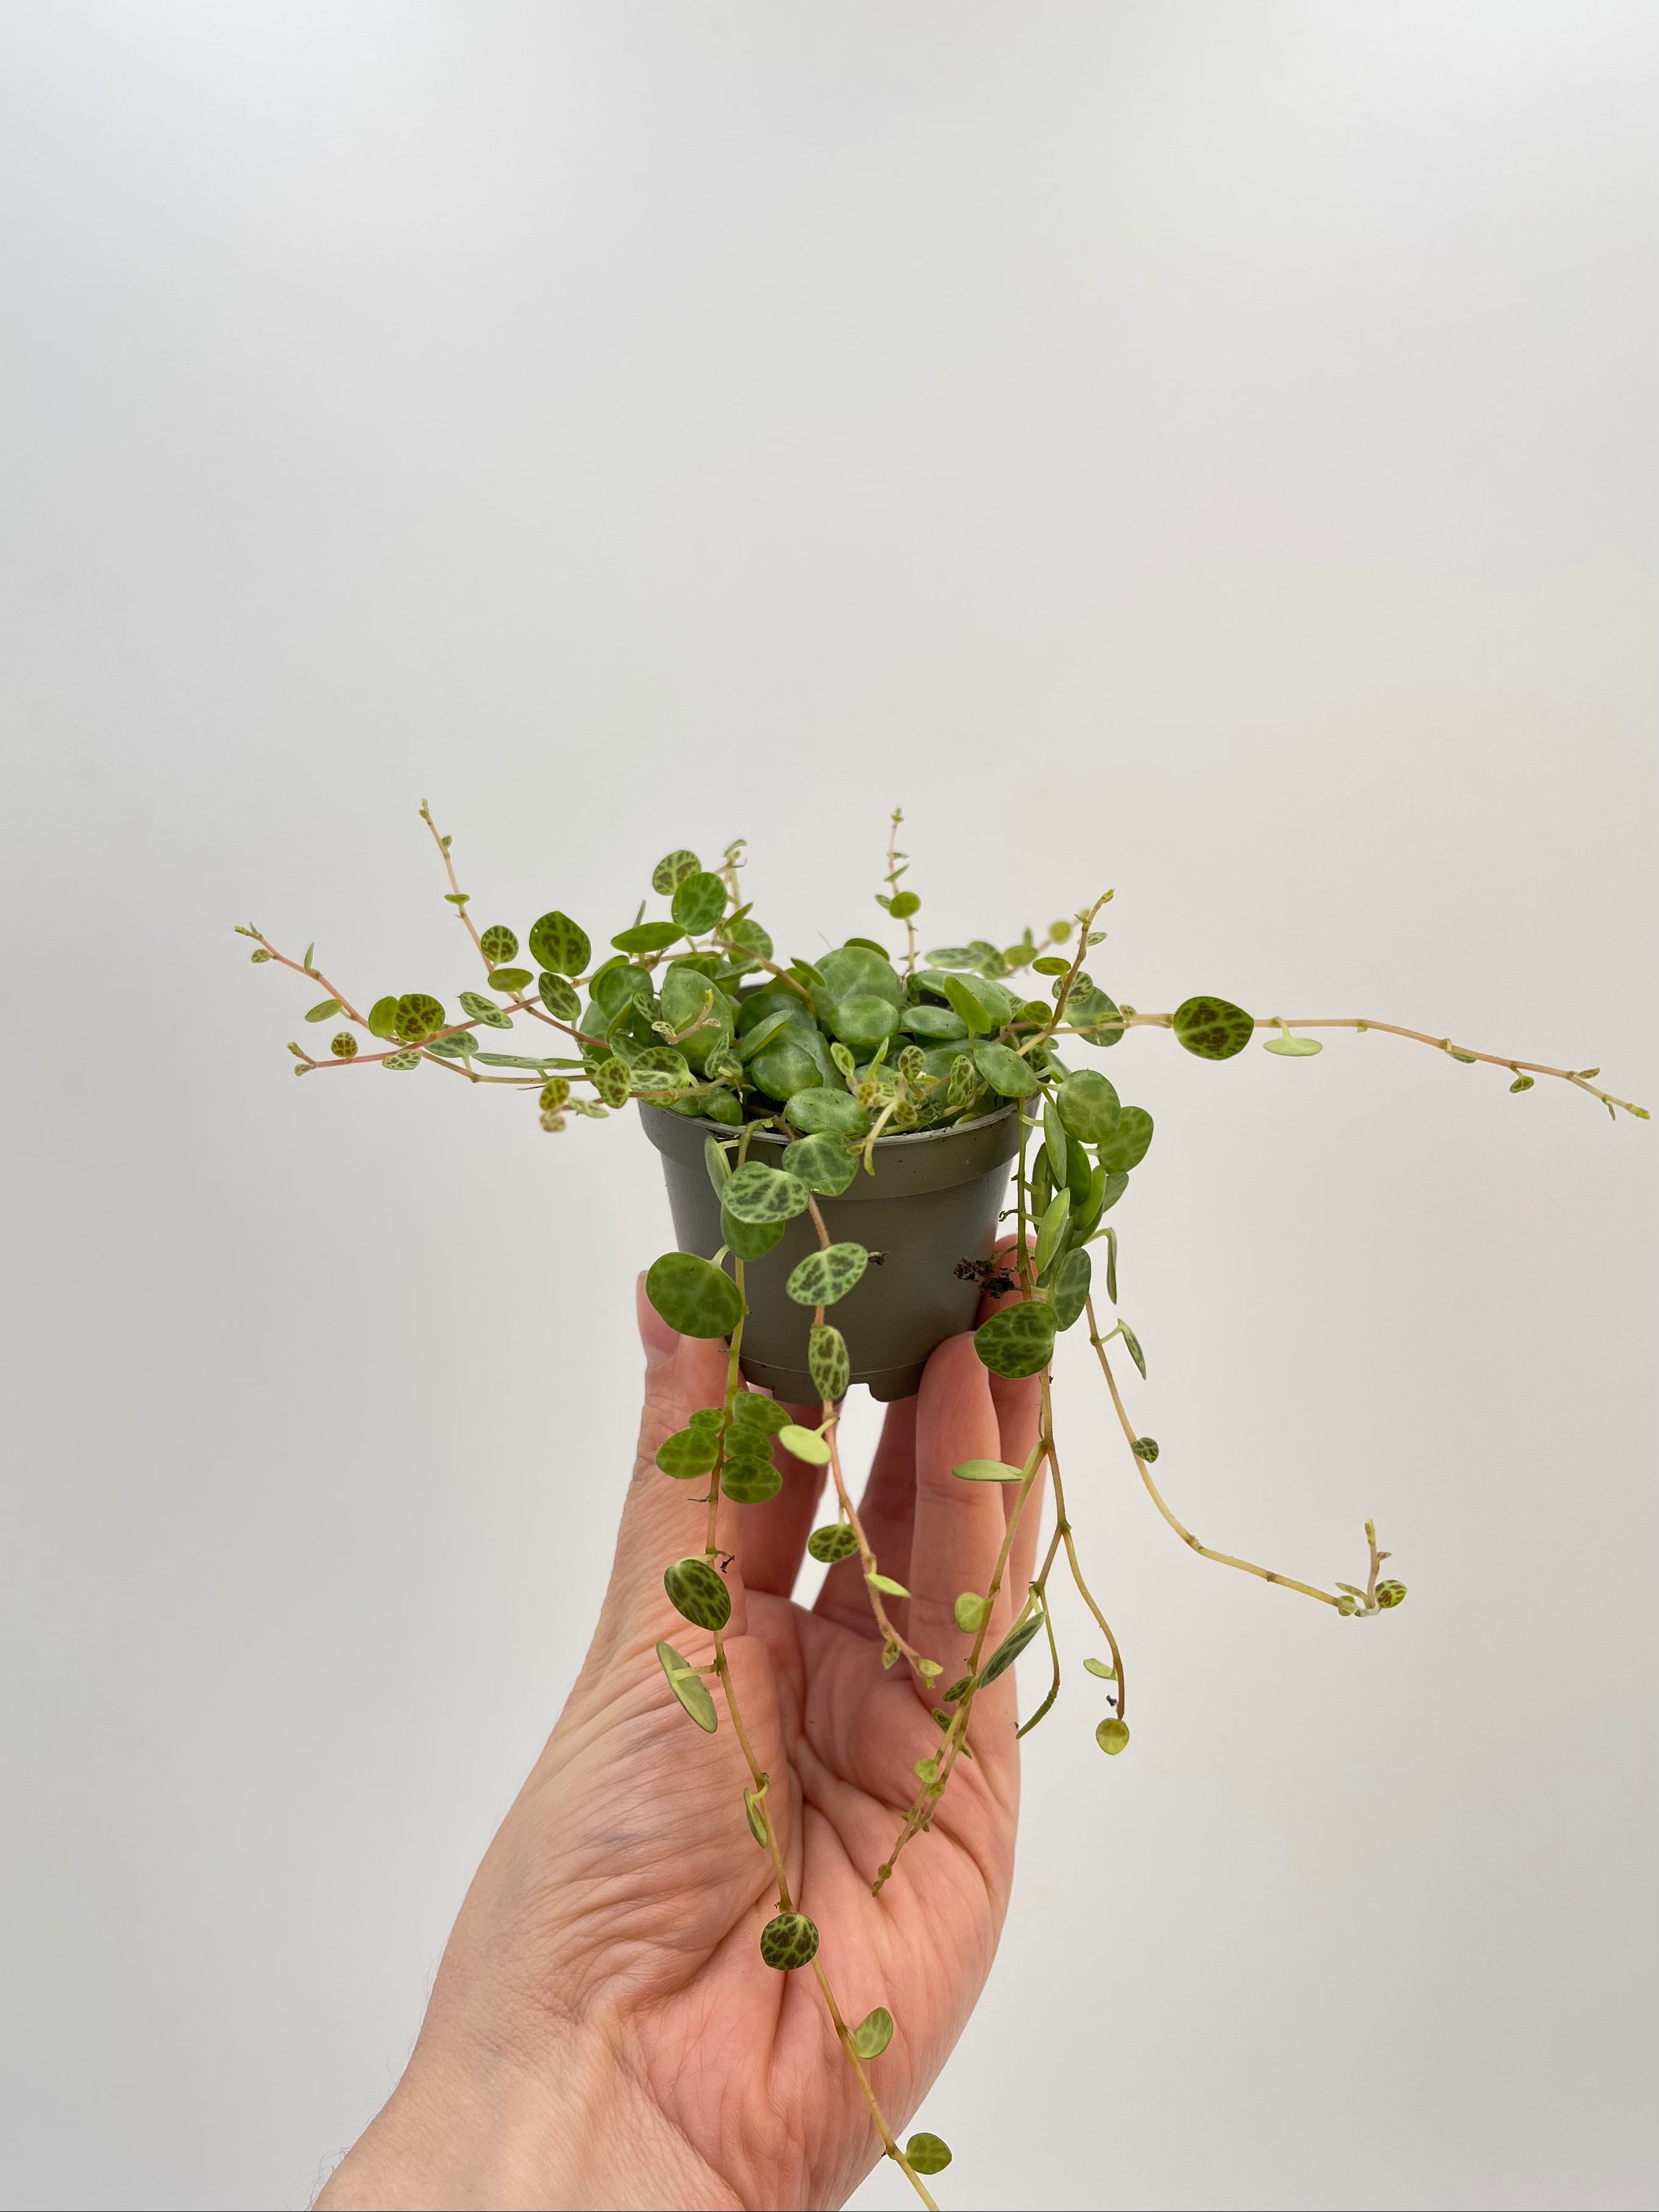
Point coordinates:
pixel 692 1011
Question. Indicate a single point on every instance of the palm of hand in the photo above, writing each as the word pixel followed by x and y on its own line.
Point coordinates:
pixel 626 1874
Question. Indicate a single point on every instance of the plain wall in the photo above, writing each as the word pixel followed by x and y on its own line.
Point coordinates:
pixel 1204 449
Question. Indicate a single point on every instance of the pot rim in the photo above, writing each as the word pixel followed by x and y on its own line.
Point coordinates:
pixel 904 1137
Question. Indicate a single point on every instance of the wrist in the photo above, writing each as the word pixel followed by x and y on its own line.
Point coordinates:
pixel 566 2126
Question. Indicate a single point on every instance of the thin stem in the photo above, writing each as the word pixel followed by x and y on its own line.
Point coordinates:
pixel 458 901
pixel 1222 1559
pixel 843 2033
pixel 894 871
pixel 1084 923
pixel 1063 1531
pixel 1578 1077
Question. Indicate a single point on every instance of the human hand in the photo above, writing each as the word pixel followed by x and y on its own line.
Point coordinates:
pixel 603 2031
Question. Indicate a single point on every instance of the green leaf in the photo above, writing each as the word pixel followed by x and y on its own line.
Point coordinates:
pixel 559 997
pixel 1011 1647
pixel 863 1020
pixel 1073 1279
pixel 517 1059
pixel 609 1078
pixel 658 1068
pixel 497 942
pixel 1293 1048
pixel 750 1478
pixel 692 1295
pixel 750 1240
pixel 824 1163
pixel 1054 1137
pixel 1145 1448
pixel 1126 1146
pixel 1051 1230
pixel 418 1016
pixel 927 2154
pixel 400 1062
pixel 1018 1340
pixel 1521 1082
pixel 828 1363
pixel 752 1814
pixel 719 1167
pixel 987 1470
pixel 823 1277
pixel 937 1024
pixel 1088 1106
pixel 763 1417
pixel 1098 1667
pixel 1213 1029
pixel 648 937
pixel 699 903
pixel 836 1541
pixel 964 1004
pixel 697 1591
pixel 856 968
pixel 1389 1594
pixel 790 1940
pixel 310 949
pixel 969 1612
pixel 1112 1735
pixel 874 2033
pixel 1008 1075
pixel 688 1688
pixel 903 905
pixel 821 1111
pixel 1132 1346
pixel 383 1018
pixel 789 1064
pixel 689 1452
pixel 461 1047
pixel 486 1011
pixel 671 871
pixel 742 930
pixel 759 1192
pixel 344 1046
pixel 559 944
pixel 887 1585
pixel 807 1444
pixel 510 979
pixel 780 1019
pixel 324 1011
pixel 1111 1265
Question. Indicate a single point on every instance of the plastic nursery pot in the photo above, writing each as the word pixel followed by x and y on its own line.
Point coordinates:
pixel 934 1201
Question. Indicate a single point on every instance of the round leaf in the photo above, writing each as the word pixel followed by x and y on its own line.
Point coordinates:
pixel 1213 1029
pixel 969 1611
pixel 383 1018
pixel 1099 1668
pixel 886 1583
pixel 966 1004
pixel 671 871
pixel 1018 1340
pixel 747 934
pixel 751 1480
pixel 806 1444
pixel 750 1240
pixel 509 979
pixel 694 1297
pixel 789 1940
pixel 1293 1048
pixel 697 1591
pixel 559 997
pixel 836 1541
pixel 1389 1594
pixel 559 944
pixel 874 2033
pixel 1126 1146
pixel 759 1192
pixel 611 1080
pixel 400 1062
pixel 928 2154
pixel 343 1045
pixel 648 937
pixel 486 1011
pixel 418 1015
pixel 822 1163
pixel 823 1277
pixel 764 1416
pixel 498 942
pixel 863 1020
pixel 324 1011
pixel 1145 1448
pixel 659 1067
pixel 1112 1735
pixel 987 1470
pixel 937 1024
pixel 1008 1075
pixel 821 1111
pixel 689 1453
pixel 1088 1106
pixel 699 903
pixel 688 1688
pixel 827 1361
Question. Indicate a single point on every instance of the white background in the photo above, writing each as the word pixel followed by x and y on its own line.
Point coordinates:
pixel 1203 449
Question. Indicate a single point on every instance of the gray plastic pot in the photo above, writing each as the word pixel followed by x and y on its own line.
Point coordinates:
pixel 933 1200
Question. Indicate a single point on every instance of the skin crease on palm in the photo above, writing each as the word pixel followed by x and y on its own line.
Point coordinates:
pixel 603 2031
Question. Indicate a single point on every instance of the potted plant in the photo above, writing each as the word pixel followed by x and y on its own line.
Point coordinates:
pixel 844 1143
